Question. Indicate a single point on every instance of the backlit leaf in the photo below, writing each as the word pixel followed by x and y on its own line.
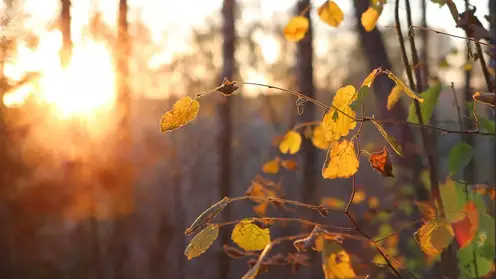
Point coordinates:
pixel 365 88
pixel 296 29
pixel 466 229
pixel 403 86
pixel 183 112
pixel 394 97
pixel 459 157
pixel 272 166
pixel 370 17
pixel 330 13
pixel 202 241
pixel 318 138
pixel 434 236
pixel 381 162
pixel 392 141
pixel 371 77
pixel 207 215
pixel 289 164
pixel 341 161
pixel 333 128
pixel 336 262
pixel 430 97
pixel 249 236
pixel 359 197
pixel 291 143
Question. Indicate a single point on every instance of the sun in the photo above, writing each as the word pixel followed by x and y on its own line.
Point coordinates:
pixel 82 88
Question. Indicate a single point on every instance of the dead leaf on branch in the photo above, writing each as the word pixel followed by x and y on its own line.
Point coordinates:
pixel 227 87
pixel 472 25
pixel 381 162
pixel 485 98
pixel 184 111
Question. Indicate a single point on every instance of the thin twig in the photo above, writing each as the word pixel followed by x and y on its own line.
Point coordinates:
pixel 451 35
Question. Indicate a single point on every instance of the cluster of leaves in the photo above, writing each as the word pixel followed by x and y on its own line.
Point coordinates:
pixel 460 214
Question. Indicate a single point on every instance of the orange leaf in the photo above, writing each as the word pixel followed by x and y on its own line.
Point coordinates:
pixel 381 162
pixel 466 229
pixel 289 164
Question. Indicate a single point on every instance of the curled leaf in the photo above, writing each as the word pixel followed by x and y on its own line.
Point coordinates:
pixel 291 143
pixel 202 241
pixel 330 13
pixel 296 29
pixel 371 77
pixel 392 141
pixel 403 86
pixel 207 215
pixel 227 87
pixel 381 162
pixel 485 98
pixel 393 97
pixel 341 161
pixel 183 112
pixel 249 236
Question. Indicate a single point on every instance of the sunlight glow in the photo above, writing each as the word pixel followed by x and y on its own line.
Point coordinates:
pixel 86 85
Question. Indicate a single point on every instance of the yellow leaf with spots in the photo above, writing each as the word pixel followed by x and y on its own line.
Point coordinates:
pixel 336 262
pixel 296 29
pixel 272 166
pixel 249 236
pixel 336 124
pixel 319 139
pixel 183 112
pixel 330 13
pixel 341 161
pixel 434 236
pixel 370 17
pixel 202 241
pixel 403 86
pixel 291 143
pixel 394 97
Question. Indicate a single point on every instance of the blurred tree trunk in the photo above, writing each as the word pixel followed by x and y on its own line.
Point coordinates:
pixel 373 46
pixel 225 118
pixel 123 168
pixel 305 83
pixel 65 28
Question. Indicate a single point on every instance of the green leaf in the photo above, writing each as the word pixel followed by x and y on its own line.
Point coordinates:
pixel 202 241
pixel 362 92
pixel 488 125
pixel 430 97
pixel 459 157
pixel 392 141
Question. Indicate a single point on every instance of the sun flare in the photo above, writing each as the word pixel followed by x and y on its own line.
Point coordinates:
pixel 85 86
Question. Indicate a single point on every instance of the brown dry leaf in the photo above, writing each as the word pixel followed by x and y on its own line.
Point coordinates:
pixel 485 98
pixel 289 164
pixel 296 29
pixel 381 162
pixel 227 87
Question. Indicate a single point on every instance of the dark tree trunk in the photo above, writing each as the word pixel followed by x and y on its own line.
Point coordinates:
pixel 305 84
pixel 376 54
pixel 65 28
pixel 225 120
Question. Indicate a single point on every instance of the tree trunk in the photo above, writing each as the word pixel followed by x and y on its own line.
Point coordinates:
pixel 65 28
pixel 375 51
pixel 305 83
pixel 225 119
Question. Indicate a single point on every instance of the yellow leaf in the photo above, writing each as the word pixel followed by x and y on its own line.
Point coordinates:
pixel 394 97
pixel 291 143
pixel 202 241
pixel 336 262
pixel 318 138
pixel 403 86
pixel 330 13
pixel 183 112
pixel 392 141
pixel 249 236
pixel 359 197
pixel 468 66
pixel 332 202
pixel 296 28
pixel 336 127
pixel 272 166
pixel 371 77
pixel 434 236
pixel 342 161
pixel 370 17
